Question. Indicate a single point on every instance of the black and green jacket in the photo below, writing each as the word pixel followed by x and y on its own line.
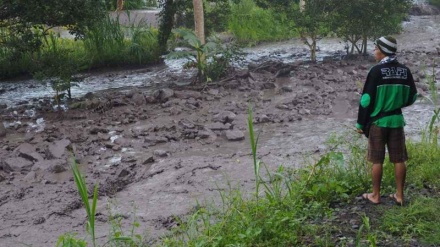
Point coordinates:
pixel 389 86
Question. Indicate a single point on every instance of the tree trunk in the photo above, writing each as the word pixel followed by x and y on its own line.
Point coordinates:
pixel 120 5
pixel 311 45
pixel 166 23
pixel 313 50
pixel 199 25
pixel 364 45
pixel 199 21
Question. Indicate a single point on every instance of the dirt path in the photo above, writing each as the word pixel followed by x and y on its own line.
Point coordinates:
pixel 162 149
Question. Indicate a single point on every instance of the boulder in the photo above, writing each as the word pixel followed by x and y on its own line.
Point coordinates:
pixel 187 94
pixel 58 149
pixel 53 166
pixel 139 99
pixel 218 126
pixel 17 164
pixel 224 117
pixel 161 153
pixel 29 152
pixel 31 177
pixel 163 95
pixel 234 135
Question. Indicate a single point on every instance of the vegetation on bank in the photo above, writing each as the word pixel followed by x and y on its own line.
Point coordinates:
pixel 24 28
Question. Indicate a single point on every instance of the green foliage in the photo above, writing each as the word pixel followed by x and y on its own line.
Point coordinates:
pixel 69 240
pixel 103 41
pixel 211 59
pixel 55 63
pixel 28 45
pixel 361 20
pixel 166 23
pixel 276 4
pixel 83 193
pixel 366 227
pixel 105 44
pixel 432 131
pixel 423 165
pixel 254 145
pixel 418 220
pixel 312 22
pixel 21 18
pixel 144 48
pixel 117 237
pixel 251 24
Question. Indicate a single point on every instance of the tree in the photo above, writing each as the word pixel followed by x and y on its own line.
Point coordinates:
pixel 28 21
pixel 360 20
pixel 311 22
pixel 166 22
pixel 199 21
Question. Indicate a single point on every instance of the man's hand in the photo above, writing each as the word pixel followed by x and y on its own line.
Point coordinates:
pixel 359 131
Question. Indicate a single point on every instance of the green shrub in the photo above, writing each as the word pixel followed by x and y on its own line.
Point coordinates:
pixel 419 220
pixel 69 240
pixel 211 59
pixel 251 24
pixel 423 165
pixel 107 44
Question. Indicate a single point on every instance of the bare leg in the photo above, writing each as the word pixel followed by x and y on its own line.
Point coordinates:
pixel 376 175
pixel 377 178
pixel 400 174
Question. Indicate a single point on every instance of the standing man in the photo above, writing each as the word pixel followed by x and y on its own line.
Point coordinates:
pixel 388 88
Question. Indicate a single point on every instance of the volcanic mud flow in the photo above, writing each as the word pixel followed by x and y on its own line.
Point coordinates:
pixel 156 150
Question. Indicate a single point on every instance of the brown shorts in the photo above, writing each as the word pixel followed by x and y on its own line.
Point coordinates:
pixel 393 138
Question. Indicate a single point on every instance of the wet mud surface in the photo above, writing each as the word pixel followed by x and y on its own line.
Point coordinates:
pixel 155 149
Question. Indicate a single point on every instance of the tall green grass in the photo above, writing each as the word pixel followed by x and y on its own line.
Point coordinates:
pixel 109 44
pixel 117 237
pixel 90 208
pixel 106 44
pixel 419 220
pixel 251 24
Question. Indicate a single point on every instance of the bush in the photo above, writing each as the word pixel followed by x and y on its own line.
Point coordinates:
pixel 251 24
pixel 211 59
